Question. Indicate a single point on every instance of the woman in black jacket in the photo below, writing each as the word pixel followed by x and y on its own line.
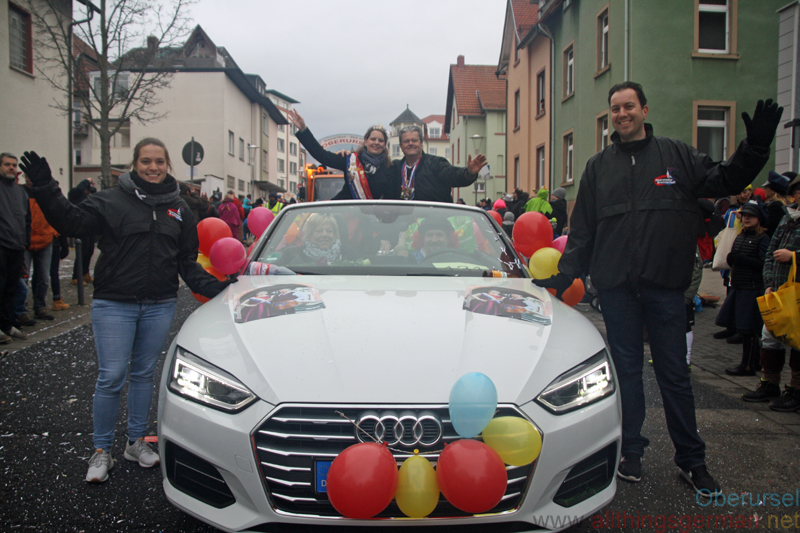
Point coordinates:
pixel 368 172
pixel 740 310
pixel 147 237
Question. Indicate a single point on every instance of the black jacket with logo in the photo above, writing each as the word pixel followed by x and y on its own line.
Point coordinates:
pixel 435 178
pixel 637 217
pixel 143 245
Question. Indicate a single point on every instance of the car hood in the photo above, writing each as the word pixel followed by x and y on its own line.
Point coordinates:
pixel 386 339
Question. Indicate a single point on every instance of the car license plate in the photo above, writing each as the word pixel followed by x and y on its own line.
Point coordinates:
pixel 321 475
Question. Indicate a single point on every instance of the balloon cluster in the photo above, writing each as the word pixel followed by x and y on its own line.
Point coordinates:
pixel 363 479
pixel 533 238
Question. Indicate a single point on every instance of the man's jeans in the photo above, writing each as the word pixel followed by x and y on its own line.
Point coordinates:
pixel 40 280
pixel 626 311
pixel 126 333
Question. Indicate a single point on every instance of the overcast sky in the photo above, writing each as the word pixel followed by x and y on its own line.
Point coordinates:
pixel 355 63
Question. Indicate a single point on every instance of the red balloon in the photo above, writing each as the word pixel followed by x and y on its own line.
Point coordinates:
pixel 209 231
pixel 532 231
pixel 362 480
pixel 227 255
pixel 471 476
pixel 217 274
pixel 495 215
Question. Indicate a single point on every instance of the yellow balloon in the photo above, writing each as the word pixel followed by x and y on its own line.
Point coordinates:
pixel 204 261
pixel 514 439
pixel 544 263
pixel 417 489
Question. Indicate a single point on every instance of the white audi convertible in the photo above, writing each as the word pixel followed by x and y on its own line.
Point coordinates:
pixel 367 313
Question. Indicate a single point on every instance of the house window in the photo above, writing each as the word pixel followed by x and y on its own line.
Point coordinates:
pixel 395 150
pixel 281 165
pixel 231 142
pixel 715 27
pixel 292 148
pixel 281 127
pixel 293 187
pixel 714 131
pixel 480 186
pixel 241 184
pixel 292 168
pixel 435 132
pixel 516 110
pixel 20 39
pixel 231 182
pixel 281 182
pixel 448 152
pixel 602 132
pixel 265 124
pixel 78 157
pixel 516 172
pixel 118 85
pixel 281 145
pixel 540 93
pixel 602 39
pixel 432 150
pixel 569 71
pixel 540 179
pixel 568 155
pixel 264 160
pixel 241 149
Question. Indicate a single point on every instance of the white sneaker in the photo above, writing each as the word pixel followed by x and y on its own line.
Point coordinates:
pixel 99 465
pixel 14 333
pixel 140 451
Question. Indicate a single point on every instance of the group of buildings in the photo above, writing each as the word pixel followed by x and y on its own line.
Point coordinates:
pixel 539 114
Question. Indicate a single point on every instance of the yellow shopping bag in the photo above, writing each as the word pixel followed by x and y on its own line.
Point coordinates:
pixel 781 309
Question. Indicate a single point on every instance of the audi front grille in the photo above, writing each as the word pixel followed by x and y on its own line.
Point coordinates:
pixel 296 437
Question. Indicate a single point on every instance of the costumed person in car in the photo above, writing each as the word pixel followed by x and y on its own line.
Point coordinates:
pixel 740 310
pixel 147 237
pixel 368 172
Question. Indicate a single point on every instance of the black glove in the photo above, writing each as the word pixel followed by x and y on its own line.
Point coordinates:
pixel 731 259
pixel 560 282
pixel 36 168
pixel 761 128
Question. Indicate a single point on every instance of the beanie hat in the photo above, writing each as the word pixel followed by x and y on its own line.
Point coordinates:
pixel 560 193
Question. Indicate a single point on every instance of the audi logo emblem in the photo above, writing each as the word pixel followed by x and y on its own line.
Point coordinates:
pixel 406 429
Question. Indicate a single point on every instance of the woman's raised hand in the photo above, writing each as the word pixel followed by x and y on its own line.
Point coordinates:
pixel 297 120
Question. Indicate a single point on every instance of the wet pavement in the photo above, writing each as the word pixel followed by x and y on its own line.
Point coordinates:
pixel 47 382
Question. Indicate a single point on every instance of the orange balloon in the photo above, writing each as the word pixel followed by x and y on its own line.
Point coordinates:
pixel 573 295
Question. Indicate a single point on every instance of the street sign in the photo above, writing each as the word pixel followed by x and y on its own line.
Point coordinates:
pixel 192 148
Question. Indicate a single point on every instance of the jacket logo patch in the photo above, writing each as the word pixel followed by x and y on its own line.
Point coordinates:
pixel 175 213
pixel 666 179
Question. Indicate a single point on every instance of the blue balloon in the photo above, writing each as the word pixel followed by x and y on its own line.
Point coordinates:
pixel 473 401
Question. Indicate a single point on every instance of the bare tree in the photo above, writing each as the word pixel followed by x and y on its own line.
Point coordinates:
pixel 126 39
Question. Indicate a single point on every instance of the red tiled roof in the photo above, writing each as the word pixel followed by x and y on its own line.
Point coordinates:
pixel 433 118
pixel 476 88
pixel 526 15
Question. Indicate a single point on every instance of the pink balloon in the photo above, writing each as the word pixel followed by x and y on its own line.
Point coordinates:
pixel 560 243
pixel 259 219
pixel 228 255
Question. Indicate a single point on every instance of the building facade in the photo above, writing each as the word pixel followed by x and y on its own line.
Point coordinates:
pixel 476 123
pixel 436 140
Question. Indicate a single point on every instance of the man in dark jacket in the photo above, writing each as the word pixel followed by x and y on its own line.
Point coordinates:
pixel 634 229
pixel 428 177
pixel 77 195
pixel 15 237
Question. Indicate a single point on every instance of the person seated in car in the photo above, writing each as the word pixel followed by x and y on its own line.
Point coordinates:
pixel 437 235
pixel 319 246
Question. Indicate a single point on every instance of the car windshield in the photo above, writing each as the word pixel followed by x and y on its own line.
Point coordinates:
pixel 385 239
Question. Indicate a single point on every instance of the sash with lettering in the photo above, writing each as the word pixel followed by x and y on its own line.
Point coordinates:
pixel 357 180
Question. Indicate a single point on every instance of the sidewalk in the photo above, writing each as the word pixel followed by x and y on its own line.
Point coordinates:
pixel 710 357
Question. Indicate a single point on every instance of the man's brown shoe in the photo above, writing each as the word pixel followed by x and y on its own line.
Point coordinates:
pixel 59 305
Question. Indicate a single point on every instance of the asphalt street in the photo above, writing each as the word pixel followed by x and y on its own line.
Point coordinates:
pixel 46 388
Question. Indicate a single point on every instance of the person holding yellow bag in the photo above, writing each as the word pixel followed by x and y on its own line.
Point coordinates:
pixel 781 254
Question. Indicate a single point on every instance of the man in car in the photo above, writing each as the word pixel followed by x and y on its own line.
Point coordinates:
pixel 436 234
pixel 428 177
pixel 634 229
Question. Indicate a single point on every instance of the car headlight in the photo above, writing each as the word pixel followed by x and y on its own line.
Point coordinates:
pixel 198 380
pixel 587 383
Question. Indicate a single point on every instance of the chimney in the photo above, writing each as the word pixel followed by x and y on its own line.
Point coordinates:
pixel 460 62
pixel 152 43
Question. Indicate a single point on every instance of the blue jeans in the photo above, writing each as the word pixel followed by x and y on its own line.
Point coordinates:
pixel 663 311
pixel 40 280
pixel 126 333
